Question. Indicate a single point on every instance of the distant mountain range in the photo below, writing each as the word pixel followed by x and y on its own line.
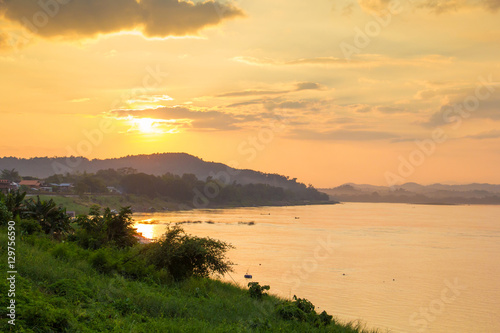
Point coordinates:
pixel 155 164
pixel 415 193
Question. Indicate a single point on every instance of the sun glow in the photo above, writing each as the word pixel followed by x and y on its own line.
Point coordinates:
pixel 149 126
pixel 145 125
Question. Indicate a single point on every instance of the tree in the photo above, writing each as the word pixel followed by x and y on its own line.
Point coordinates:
pixel 52 218
pixel 89 183
pixel 120 230
pixel 14 201
pixel 110 228
pixel 11 175
pixel 184 255
pixel 5 214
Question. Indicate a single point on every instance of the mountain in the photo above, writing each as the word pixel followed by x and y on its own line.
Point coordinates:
pixel 415 193
pixel 155 164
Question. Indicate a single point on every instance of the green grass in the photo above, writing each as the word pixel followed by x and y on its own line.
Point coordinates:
pixel 58 290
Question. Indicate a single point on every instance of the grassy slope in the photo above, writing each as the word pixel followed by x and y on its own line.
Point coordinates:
pixel 58 290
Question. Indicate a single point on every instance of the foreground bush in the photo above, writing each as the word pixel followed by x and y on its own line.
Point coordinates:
pixel 111 228
pixel 300 309
pixel 256 290
pixel 52 218
pixel 184 256
pixel 5 214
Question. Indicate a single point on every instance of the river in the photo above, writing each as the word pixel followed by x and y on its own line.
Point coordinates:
pixel 397 267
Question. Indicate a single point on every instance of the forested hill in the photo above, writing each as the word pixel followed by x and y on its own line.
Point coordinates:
pixel 155 164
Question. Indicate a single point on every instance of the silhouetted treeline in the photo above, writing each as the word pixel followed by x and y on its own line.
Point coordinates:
pixel 153 164
pixel 186 187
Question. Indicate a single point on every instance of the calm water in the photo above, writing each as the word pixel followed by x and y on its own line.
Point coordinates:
pixel 405 268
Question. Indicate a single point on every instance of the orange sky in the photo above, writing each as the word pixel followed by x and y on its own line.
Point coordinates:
pixel 326 91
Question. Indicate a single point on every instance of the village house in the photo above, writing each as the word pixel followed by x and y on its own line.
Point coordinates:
pixel 7 186
pixel 32 184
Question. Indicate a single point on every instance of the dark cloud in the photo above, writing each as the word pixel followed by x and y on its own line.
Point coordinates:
pixel 434 6
pixel 183 116
pixel 308 86
pixel 342 135
pixel 360 108
pixel 466 107
pixel 253 92
pixel 390 109
pixel 84 18
pixel 493 134
pixel 4 41
pixel 251 102
pixel 293 105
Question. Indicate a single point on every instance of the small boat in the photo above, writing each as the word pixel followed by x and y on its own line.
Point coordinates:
pixel 248 276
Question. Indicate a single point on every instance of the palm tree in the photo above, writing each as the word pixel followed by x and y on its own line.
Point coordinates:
pixel 14 201
pixel 11 175
pixel 52 218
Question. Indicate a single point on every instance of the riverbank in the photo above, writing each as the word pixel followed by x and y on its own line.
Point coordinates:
pixel 59 289
pixel 144 204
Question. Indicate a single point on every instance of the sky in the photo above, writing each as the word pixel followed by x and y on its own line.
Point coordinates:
pixel 368 91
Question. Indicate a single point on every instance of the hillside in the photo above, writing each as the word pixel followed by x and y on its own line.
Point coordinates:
pixel 155 164
pixel 417 194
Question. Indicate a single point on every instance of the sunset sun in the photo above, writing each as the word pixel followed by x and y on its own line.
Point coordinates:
pixel 146 125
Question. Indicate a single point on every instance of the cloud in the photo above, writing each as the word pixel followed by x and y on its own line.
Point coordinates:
pixel 4 41
pixel 342 135
pixel 88 18
pixel 463 108
pixel 434 6
pixel 493 134
pixel 444 6
pixel 376 6
pixel 357 61
pixel 187 118
pixel 253 92
pixel 308 86
pixel 390 109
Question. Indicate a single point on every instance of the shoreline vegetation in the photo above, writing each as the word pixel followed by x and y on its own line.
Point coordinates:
pixel 143 204
pixel 115 188
pixel 92 274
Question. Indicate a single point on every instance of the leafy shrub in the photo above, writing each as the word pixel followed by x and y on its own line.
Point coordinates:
pixel 44 317
pixel 5 214
pixel 29 227
pixel 101 261
pixel 256 290
pixel 325 319
pixel 112 228
pixel 288 311
pixel 185 256
pixel 52 218
pixel 14 201
pixel 300 309
pixel 71 289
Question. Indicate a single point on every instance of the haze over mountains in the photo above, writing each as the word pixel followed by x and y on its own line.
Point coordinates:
pixel 155 164
pixel 416 193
